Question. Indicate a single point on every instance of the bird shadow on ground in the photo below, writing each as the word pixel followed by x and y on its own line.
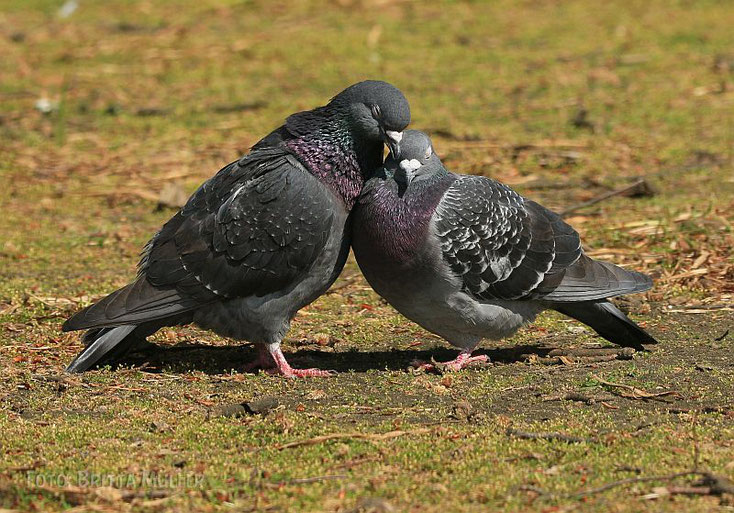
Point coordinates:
pixel 187 356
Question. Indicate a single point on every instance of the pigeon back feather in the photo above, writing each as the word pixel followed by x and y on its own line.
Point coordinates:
pixel 252 229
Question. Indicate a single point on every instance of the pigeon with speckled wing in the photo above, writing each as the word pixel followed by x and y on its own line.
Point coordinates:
pixel 468 258
pixel 267 235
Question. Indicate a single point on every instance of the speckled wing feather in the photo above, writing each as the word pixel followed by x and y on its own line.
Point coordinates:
pixel 491 239
pixel 252 229
pixel 501 245
pixel 506 247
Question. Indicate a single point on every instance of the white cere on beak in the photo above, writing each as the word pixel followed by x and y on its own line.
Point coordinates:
pixel 395 136
pixel 410 166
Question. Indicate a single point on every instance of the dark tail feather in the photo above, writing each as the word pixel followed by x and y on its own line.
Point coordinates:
pixel 136 303
pixel 608 321
pixel 106 344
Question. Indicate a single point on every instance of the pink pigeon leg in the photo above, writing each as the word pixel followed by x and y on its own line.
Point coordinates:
pixel 463 360
pixel 283 368
pixel 263 360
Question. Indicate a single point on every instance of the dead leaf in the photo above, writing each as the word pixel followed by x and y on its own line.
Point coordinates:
pixel 172 195
pixel 315 395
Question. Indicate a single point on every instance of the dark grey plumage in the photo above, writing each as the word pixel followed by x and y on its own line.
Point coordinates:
pixel 261 239
pixel 468 258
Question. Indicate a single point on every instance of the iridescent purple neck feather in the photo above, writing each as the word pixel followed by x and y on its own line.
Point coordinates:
pixel 329 151
pixel 393 228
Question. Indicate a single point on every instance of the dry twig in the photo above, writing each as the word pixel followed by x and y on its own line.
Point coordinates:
pixel 715 485
pixel 577 397
pixel 547 436
pixel 622 352
pixel 633 392
pixel 305 480
pixel 581 356
pixel 374 437
pixel 710 484
pixel 639 187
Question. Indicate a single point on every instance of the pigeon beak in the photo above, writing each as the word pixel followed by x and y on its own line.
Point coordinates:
pixel 392 139
pixel 409 167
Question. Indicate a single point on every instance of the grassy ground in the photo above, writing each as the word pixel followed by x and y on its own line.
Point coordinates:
pixel 562 101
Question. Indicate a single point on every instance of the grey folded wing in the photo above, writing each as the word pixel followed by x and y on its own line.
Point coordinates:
pixel 503 246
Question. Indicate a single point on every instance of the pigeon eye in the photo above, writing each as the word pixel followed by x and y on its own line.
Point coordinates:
pixel 376 113
pixel 429 152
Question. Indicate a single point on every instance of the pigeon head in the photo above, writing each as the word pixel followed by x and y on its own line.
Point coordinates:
pixel 416 160
pixel 376 110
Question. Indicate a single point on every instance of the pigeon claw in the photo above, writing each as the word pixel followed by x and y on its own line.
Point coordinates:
pixel 462 361
pixel 272 361
pixel 303 373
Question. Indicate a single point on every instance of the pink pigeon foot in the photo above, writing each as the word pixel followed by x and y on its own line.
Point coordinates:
pixel 272 360
pixel 460 362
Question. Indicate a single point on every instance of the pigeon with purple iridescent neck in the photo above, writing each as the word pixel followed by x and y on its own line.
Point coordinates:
pixel 468 258
pixel 265 236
